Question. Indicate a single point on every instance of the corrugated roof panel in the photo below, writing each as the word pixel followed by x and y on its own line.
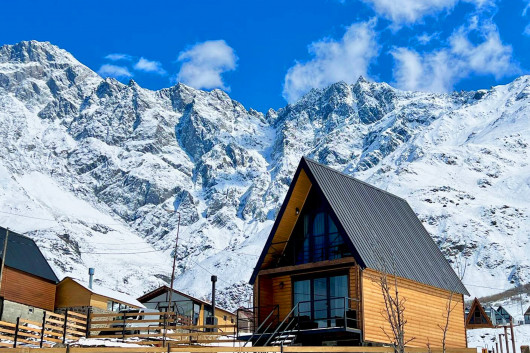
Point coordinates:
pixel 376 219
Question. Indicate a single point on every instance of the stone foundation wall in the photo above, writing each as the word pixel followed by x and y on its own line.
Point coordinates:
pixel 12 310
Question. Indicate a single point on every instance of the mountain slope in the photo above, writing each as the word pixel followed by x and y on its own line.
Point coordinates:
pixel 102 166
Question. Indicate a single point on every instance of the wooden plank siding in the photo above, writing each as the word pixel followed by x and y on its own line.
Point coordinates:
pixel 264 297
pixel 282 296
pixel 425 309
pixel 24 288
pixel 99 301
pixel 71 294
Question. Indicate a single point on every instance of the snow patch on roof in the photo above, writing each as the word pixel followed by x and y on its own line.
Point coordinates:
pixel 112 294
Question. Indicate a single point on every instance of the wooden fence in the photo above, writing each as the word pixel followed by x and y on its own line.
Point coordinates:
pixel 54 328
pixel 150 327
pixel 153 325
pixel 210 349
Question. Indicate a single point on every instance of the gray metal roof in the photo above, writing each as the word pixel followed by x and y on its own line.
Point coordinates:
pixel 380 225
pixel 24 255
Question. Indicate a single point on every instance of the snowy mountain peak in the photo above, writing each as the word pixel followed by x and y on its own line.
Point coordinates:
pixel 105 167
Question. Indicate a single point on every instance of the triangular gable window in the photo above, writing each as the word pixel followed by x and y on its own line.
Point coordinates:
pixel 315 236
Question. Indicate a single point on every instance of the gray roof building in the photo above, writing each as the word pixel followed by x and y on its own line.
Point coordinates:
pixel 24 255
pixel 378 225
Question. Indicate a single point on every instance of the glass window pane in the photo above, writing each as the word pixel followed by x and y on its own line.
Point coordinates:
pixel 320 301
pixel 302 295
pixel 332 226
pixel 318 224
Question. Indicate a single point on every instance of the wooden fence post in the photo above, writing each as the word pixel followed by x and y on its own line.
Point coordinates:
pixel 65 325
pixel 88 321
pixel 123 328
pixel 16 333
pixel 42 329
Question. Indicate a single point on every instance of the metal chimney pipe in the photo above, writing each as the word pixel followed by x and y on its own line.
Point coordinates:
pixel 90 277
pixel 214 279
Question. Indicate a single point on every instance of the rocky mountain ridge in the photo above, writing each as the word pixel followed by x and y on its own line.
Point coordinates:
pixel 101 167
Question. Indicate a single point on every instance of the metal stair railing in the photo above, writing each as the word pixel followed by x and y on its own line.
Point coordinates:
pixel 277 307
pixel 282 323
pixel 283 333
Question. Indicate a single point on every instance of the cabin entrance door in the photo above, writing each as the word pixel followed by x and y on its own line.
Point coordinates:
pixel 321 300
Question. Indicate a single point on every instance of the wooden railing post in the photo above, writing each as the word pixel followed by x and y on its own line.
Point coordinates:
pixel 65 325
pixel 42 329
pixel 16 333
pixel 123 328
pixel 89 312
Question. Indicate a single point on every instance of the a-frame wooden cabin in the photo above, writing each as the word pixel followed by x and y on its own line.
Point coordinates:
pixel 317 274
pixel 477 317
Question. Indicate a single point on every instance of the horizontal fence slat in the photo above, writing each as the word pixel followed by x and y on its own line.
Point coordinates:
pixel 118 350
pixel 119 329
pixel 58 316
pixel 69 325
pixel 158 313
pixel 6 330
pixel 23 340
pixel 76 314
pixel 6 338
pixel 8 324
pixel 53 321
pixel 30 322
pixel 25 334
pixel 126 321
pixel 77 321
pixel 53 339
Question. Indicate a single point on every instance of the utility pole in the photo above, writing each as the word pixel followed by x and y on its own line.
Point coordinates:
pixel 174 263
pixel 172 277
pixel 4 257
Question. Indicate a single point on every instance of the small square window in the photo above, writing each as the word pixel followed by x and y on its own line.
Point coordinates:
pixel 31 309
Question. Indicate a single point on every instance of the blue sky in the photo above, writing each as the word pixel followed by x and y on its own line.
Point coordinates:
pixel 266 53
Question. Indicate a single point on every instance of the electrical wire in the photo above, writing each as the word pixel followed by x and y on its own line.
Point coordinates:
pixel 55 220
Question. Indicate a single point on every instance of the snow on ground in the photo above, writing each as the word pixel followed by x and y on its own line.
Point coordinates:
pixel 486 338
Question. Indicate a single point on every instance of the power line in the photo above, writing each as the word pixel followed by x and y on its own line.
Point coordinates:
pixel 62 221
pixel 196 263
pixel 112 253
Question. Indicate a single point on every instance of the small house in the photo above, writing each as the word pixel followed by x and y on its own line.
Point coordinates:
pixel 185 305
pixel 28 281
pixel 74 295
pixel 527 316
pixel 503 315
pixel 316 280
pixel 493 315
pixel 477 317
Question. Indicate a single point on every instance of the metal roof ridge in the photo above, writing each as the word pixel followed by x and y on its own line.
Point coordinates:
pixel 353 178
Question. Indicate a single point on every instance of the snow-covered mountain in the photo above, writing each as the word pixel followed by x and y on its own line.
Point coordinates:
pixel 94 170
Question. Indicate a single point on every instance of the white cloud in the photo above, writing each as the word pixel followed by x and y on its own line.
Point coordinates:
pixel 108 70
pixel 440 70
pixel 204 63
pixel 410 11
pixel 333 60
pixel 149 66
pixel 118 57
pixel 426 38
